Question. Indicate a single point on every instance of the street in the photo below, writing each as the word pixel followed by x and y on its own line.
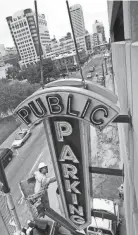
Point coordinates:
pixel 96 61
pixel 22 166
pixel 31 154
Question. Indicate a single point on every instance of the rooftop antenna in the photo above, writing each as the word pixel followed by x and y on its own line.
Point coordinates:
pixel 77 53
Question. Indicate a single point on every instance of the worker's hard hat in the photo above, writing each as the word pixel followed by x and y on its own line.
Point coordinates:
pixel 28 221
pixel 41 165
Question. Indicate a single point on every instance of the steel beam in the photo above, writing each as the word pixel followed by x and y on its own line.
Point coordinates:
pixel 106 171
pixel 104 215
pixel 122 119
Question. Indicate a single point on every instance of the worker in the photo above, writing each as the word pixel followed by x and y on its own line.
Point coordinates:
pixel 121 191
pixel 33 229
pixel 42 181
pixel 100 232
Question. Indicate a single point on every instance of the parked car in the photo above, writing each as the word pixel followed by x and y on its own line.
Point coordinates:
pixel 106 217
pixel 92 69
pixel 6 156
pixel 21 137
pixel 89 75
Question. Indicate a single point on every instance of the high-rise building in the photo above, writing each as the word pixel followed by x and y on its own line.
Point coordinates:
pixel 23 29
pixel 77 20
pixel 68 36
pixel 98 33
pixel 65 46
pixel 89 43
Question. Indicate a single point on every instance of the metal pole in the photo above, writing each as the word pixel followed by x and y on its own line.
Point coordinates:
pixel 106 65
pixel 77 53
pixel 66 67
pixel 112 73
pixel 103 74
pixel 39 45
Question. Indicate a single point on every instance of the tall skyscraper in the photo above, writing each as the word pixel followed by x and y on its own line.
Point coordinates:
pixel 77 20
pixel 98 33
pixel 23 29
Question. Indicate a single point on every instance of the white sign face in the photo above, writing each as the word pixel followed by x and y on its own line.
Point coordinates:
pixel 72 102
pixel 70 159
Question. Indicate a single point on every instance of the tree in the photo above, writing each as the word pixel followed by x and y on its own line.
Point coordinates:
pixel 21 75
pixel 32 74
pixel 49 70
pixel 12 94
pixel 12 72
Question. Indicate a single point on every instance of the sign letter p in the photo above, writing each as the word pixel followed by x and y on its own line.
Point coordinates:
pixel 62 129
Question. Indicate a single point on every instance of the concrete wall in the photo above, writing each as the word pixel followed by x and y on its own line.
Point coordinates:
pixel 125 66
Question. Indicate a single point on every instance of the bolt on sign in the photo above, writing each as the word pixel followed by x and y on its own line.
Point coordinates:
pixel 67 112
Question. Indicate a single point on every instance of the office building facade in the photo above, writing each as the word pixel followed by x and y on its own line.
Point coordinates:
pixel 23 29
pixel 98 33
pixel 65 46
pixel 77 20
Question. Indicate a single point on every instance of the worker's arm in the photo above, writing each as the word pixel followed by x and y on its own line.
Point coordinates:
pixel 52 180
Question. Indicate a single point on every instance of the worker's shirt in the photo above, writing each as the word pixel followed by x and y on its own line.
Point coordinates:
pixel 41 181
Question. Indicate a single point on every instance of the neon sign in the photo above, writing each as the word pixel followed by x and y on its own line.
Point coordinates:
pixel 71 102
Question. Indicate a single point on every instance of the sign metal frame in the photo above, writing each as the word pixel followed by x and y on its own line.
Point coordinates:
pixel 85 159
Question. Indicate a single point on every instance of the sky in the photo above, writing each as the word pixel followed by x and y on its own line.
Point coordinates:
pixel 56 15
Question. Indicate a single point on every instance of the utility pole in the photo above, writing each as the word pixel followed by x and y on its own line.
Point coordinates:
pixel 112 72
pixel 39 45
pixel 103 75
pixel 66 66
pixel 77 53
pixel 105 59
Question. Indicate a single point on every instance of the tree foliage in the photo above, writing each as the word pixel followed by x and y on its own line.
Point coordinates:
pixel 32 73
pixel 11 94
pixel 12 72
